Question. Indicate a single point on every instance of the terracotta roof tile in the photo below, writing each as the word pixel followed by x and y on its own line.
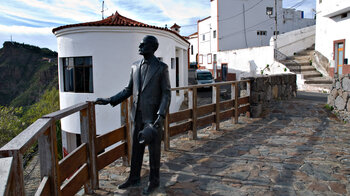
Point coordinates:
pixel 117 20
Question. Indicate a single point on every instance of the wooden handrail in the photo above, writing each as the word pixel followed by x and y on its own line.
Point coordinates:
pixel 67 111
pixel 207 85
pixel 26 138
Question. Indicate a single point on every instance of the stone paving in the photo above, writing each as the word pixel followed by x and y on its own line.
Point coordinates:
pixel 297 148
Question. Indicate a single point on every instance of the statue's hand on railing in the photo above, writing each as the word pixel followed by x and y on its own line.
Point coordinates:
pixel 102 101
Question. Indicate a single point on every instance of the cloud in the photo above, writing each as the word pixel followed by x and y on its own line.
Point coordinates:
pixel 25 30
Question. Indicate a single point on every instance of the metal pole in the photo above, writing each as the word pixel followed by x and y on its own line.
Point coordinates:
pixel 276 24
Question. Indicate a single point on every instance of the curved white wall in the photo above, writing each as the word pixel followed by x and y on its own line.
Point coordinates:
pixel 113 50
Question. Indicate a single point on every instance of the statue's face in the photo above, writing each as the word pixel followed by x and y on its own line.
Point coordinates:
pixel 146 47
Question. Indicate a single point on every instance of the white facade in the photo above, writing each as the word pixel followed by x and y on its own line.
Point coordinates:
pixel 193 39
pixel 332 25
pixel 243 24
pixel 113 50
pixel 295 41
pixel 251 62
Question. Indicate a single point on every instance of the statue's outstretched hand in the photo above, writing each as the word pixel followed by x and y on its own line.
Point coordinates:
pixel 159 121
pixel 102 101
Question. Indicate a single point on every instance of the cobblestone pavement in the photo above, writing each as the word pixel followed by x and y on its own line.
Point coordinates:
pixel 297 148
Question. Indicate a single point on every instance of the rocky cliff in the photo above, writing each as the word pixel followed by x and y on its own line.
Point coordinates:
pixel 25 73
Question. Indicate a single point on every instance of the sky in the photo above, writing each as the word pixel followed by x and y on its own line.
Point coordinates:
pixel 32 21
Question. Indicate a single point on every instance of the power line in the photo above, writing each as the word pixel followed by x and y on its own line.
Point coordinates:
pixel 234 33
pixel 242 12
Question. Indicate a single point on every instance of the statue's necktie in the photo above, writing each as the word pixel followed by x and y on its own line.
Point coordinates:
pixel 144 68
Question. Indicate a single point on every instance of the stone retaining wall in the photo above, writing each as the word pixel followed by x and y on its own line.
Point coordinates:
pixel 265 89
pixel 339 97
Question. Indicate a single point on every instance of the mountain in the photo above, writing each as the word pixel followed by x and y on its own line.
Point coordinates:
pixel 26 71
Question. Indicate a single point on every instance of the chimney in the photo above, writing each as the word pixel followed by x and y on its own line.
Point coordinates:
pixel 175 28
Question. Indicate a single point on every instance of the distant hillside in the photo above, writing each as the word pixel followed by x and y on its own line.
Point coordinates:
pixel 25 73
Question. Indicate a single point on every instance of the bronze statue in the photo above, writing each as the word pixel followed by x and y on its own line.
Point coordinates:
pixel 150 86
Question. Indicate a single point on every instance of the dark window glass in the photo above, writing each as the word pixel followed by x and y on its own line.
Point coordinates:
pixel 214 34
pixel 77 74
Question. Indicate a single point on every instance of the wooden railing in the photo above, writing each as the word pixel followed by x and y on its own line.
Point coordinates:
pixel 80 168
pixel 199 116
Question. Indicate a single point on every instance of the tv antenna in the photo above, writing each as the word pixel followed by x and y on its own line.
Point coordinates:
pixel 103 9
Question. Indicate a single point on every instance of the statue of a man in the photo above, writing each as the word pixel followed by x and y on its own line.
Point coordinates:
pixel 150 86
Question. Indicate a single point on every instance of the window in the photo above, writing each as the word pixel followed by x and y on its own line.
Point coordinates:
pixel 209 58
pixel 344 15
pixel 200 59
pixel 214 34
pixel 269 11
pixel 319 1
pixel 172 63
pixel 215 58
pixel 77 74
pixel 191 49
pixel 203 37
pixel 261 32
pixel 278 32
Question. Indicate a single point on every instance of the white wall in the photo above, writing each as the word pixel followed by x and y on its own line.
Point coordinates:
pixel 113 50
pixel 193 42
pixel 331 28
pixel 295 41
pixel 205 45
pixel 235 34
pixel 251 61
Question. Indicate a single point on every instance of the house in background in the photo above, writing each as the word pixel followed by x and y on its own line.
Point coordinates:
pixel 332 36
pixel 95 60
pixel 193 39
pixel 240 25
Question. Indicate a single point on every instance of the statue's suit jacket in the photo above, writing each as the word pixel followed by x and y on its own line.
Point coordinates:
pixel 153 98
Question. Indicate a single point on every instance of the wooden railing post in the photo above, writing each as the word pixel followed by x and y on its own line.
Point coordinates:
pixel 217 107
pixel 48 158
pixel 17 182
pixel 88 136
pixel 6 168
pixel 124 120
pixel 194 112
pixel 236 103
pixel 166 133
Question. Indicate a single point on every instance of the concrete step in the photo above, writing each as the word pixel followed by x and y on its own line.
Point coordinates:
pixel 319 80
pixel 305 53
pixel 302 69
pixel 293 63
pixel 301 59
pixel 312 75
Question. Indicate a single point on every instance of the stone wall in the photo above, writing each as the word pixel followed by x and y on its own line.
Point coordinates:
pixel 339 97
pixel 265 89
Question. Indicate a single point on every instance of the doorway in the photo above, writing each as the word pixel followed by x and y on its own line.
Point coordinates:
pixel 224 72
pixel 339 47
pixel 177 75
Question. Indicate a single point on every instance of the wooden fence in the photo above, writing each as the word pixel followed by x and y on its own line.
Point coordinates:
pixel 80 168
pixel 210 114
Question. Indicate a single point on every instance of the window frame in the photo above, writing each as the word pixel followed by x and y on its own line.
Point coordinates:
pixel 72 68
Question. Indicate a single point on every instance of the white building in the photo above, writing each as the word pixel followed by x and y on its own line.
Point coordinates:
pixel 193 39
pixel 241 24
pixel 95 60
pixel 332 34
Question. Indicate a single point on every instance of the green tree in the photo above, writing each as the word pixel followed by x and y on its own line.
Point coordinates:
pixel 10 123
pixel 48 103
